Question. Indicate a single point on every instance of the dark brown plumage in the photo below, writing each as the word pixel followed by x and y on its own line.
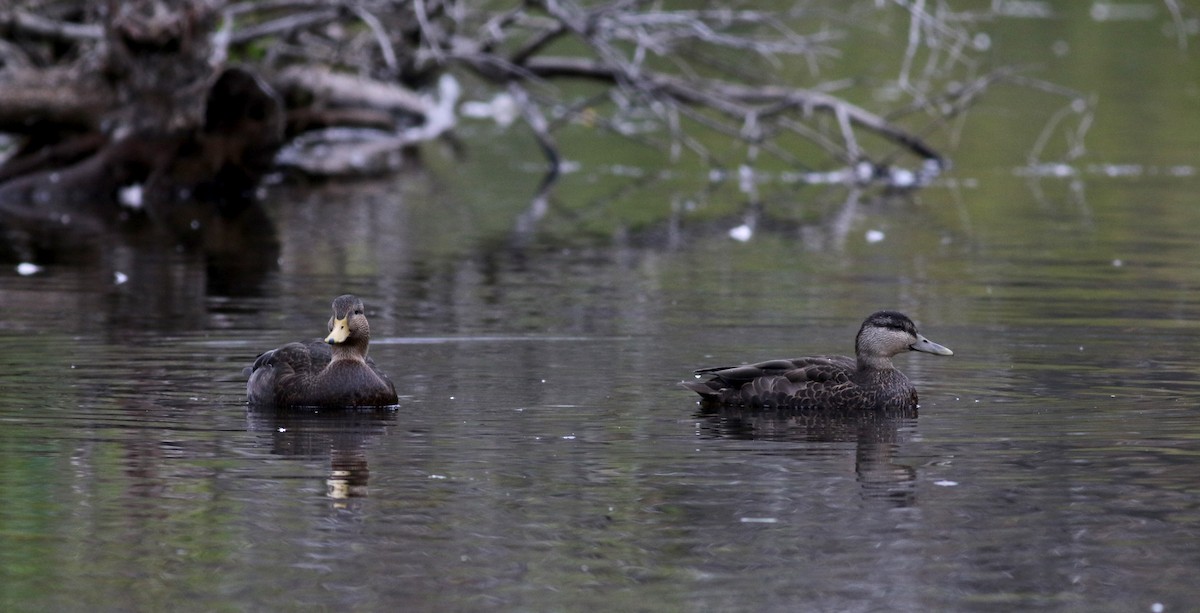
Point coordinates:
pixel 867 381
pixel 329 373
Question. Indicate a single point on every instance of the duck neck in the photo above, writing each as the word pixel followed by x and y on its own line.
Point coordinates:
pixel 874 362
pixel 352 350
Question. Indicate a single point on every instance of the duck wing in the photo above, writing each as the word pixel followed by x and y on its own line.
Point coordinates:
pixel 391 386
pixel 277 373
pixel 816 368
pixel 801 382
pixel 375 368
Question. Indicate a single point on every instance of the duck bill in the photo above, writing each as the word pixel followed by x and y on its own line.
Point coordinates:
pixel 341 331
pixel 927 346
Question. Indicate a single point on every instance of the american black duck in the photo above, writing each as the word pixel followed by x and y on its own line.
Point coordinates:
pixel 329 373
pixel 866 381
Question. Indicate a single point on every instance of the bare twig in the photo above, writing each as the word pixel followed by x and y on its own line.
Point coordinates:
pixel 284 25
pixel 536 121
pixel 385 45
pixel 59 30
pixel 339 89
pixel 1176 11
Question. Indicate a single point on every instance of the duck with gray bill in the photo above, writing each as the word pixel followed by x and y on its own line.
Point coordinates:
pixel 333 372
pixel 867 381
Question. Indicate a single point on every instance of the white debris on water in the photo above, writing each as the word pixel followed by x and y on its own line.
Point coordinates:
pixel 902 177
pixel 28 268
pixel 746 179
pixel 502 109
pixel 874 236
pixel 741 233
pixel 946 483
pixel 131 196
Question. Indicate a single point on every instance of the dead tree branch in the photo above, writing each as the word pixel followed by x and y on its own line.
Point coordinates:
pixel 31 24
pixel 356 69
pixel 655 60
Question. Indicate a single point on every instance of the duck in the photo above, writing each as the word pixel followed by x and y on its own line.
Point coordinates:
pixel 867 381
pixel 332 372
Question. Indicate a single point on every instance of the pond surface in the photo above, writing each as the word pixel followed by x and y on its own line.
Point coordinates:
pixel 543 457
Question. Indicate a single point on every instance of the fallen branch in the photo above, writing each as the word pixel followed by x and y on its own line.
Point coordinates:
pixel 63 31
pixel 334 89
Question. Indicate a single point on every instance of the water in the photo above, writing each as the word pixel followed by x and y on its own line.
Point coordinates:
pixel 543 457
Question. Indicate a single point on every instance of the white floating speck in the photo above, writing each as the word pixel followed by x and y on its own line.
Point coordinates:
pixel 502 109
pixel 746 179
pixel 903 177
pixel 131 196
pixel 864 171
pixel 28 268
pixel 741 233
pixel 946 483
pixel 569 437
pixel 758 520
pixel 281 429
pixel 437 476
pixel 120 277
pixel 1157 608
pixel 874 236
pixel 1118 263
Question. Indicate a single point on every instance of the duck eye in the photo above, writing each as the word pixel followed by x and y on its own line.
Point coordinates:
pixel 358 311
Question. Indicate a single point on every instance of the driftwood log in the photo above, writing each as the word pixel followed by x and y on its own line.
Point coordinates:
pixel 122 113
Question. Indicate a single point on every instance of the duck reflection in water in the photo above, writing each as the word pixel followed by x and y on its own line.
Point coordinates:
pixel 341 436
pixel 877 436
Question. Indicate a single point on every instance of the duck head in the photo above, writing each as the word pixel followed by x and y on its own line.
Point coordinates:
pixel 348 325
pixel 887 333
